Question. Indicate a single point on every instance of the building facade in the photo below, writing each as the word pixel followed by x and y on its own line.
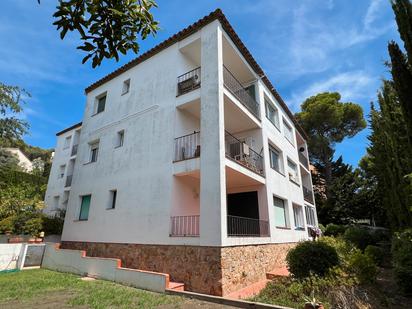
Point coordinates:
pixel 61 173
pixel 189 163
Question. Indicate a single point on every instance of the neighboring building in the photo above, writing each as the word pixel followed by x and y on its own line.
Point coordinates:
pixel 24 161
pixel 61 173
pixel 189 163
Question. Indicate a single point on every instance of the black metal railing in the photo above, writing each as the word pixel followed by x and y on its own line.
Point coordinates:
pixel 187 147
pixel 184 226
pixel 236 88
pixel 188 81
pixel 303 160
pixel 68 181
pixel 74 149
pixel 243 154
pixel 307 194
pixel 247 227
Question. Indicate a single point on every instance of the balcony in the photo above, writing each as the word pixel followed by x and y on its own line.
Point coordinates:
pixel 187 147
pixel 303 160
pixel 68 181
pixel 74 150
pixel 236 88
pixel 308 195
pixel 243 154
pixel 188 82
pixel 184 226
pixel 247 227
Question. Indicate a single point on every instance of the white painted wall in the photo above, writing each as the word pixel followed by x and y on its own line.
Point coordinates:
pixel 57 193
pixel 74 261
pixel 24 162
pixel 9 256
pixel 142 170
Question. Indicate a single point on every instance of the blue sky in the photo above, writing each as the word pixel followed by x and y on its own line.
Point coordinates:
pixel 304 46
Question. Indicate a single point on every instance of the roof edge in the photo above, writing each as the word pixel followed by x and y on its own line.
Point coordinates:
pixel 79 124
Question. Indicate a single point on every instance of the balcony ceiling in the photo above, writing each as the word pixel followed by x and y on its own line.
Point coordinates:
pixel 237 120
pixel 235 179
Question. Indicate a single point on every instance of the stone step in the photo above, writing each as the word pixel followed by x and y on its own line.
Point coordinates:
pixel 176 286
pixel 277 273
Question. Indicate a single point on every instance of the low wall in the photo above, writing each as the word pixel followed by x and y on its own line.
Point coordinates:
pixel 209 270
pixel 10 254
pixel 76 261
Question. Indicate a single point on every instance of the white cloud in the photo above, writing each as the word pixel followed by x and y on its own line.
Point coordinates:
pixel 353 86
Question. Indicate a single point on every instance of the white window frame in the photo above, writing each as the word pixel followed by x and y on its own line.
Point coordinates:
pixel 275 121
pixel 293 178
pixel 97 101
pixel 112 199
pixel 310 214
pixel 62 171
pixel 275 149
pixel 94 145
pixel 298 216
pixel 67 142
pixel 288 128
pixel 285 212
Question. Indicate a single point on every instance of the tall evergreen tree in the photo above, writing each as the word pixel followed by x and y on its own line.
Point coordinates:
pixel 401 64
pixel 390 155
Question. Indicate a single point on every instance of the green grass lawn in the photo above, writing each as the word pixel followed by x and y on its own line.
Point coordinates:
pixel 38 287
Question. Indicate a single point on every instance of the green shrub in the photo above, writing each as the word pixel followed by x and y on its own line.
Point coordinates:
pixel 380 236
pixel 402 260
pixel 363 267
pixel 54 225
pixel 322 228
pixel 33 226
pixel 334 229
pixel 376 253
pixel 7 225
pixel 360 237
pixel 344 248
pixel 311 257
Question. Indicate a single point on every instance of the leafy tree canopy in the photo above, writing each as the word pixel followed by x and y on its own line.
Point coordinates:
pixel 106 27
pixel 11 101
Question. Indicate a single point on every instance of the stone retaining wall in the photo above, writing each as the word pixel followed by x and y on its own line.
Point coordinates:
pixel 210 270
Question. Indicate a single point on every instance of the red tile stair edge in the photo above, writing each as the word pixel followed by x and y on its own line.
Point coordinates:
pixel 170 285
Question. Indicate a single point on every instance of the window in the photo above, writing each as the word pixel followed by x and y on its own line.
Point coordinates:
pixel 293 172
pixel 62 168
pixel 113 197
pixel 120 138
pixel 67 142
pixel 84 207
pixel 298 215
pixel 280 212
pixel 272 113
pixel 100 104
pixel 94 151
pixel 275 159
pixel 126 86
pixel 310 215
pixel 288 132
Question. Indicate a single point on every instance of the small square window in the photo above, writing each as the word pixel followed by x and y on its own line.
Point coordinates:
pixel 120 138
pixel 62 169
pixel 113 197
pixel 100 104
pixel 84 207
pixel 126 86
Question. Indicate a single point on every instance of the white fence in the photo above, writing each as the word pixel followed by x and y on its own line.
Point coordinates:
pixel 75 261
pixel 18 256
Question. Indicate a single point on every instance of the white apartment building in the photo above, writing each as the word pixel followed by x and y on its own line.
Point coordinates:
pixel 188 163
